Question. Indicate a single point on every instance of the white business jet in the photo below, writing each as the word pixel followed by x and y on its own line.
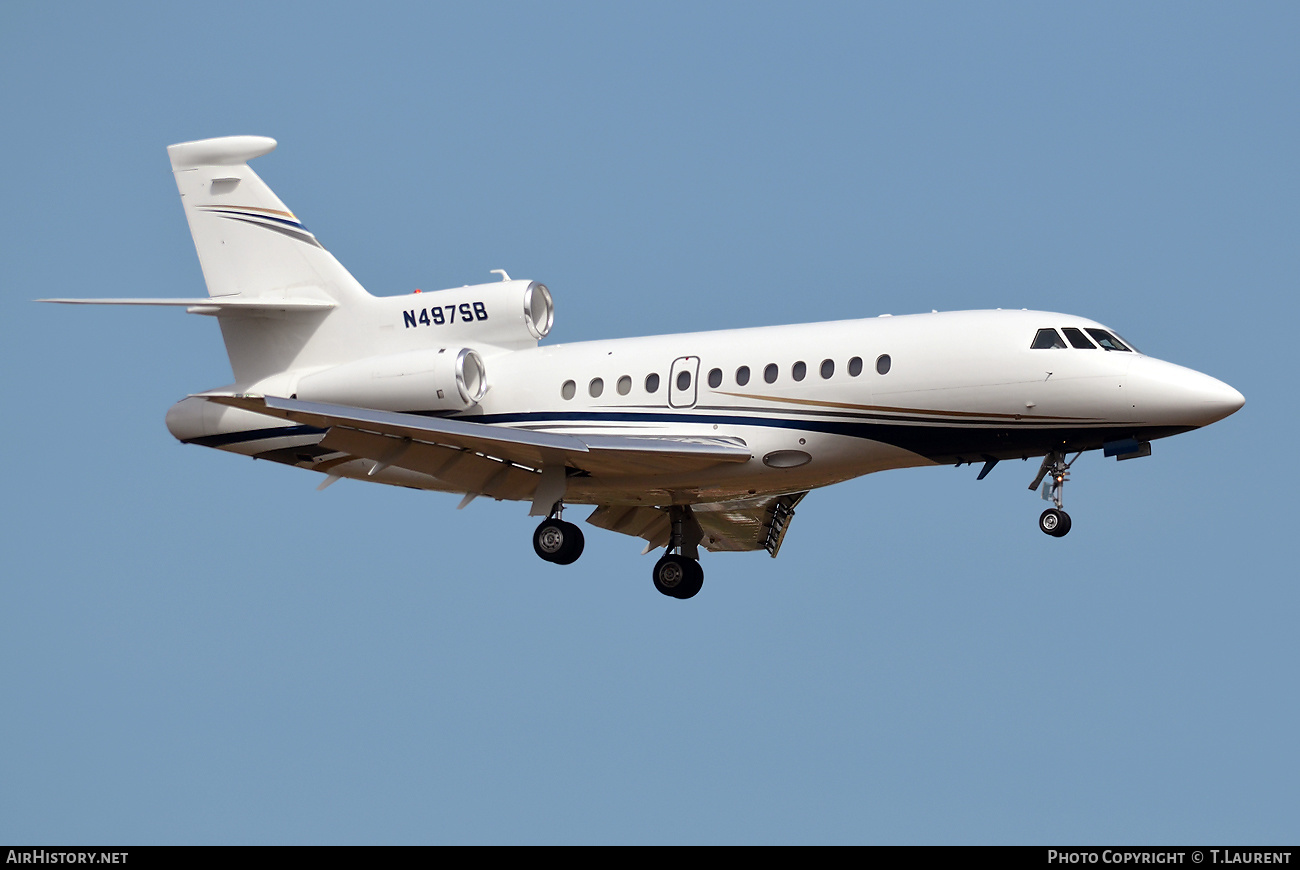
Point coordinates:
pixel 701 440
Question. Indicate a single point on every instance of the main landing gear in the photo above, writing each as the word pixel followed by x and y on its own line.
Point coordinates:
pixel 1054 521
pixel 557 541
pixel 679 575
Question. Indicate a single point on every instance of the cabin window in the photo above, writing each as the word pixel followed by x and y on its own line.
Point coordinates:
pixel 1078 339
pixel 596 387
pixel 569 389
pixel 683 380
pixel 769 373
pixel 882 363
pixel 652 383
pixel 855 366
pixel 828 369
pixel 1046 339
pixel 799 370
pixel 1106 340
pixel 715 378
pixel 624 385
pixel 742 375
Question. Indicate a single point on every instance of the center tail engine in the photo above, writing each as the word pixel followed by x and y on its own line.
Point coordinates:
pixel 508 314
pixel 432 368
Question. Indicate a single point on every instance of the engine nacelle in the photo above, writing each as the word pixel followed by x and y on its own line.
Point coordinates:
pixel 505 314
pixel 446 379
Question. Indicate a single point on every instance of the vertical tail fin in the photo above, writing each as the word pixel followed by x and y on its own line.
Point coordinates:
pixel 251 246
pixel 249 243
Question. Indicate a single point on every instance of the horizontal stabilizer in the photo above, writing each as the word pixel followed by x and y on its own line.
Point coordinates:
pixel 208 305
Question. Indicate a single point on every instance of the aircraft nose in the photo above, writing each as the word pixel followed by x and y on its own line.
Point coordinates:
pixel 1225 400
pixel 1172 395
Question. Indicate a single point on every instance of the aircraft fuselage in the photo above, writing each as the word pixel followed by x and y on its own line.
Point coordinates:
pixel 815 403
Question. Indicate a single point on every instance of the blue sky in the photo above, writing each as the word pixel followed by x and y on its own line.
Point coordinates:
pixel 199 648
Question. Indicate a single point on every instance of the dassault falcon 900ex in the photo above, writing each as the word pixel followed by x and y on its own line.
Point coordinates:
pixel 701 440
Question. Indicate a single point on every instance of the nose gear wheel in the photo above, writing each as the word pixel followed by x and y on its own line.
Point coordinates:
pixel 1054 521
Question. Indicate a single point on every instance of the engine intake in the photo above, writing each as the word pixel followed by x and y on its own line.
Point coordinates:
pixel 505 314
pixel 539 309
pixel 446 379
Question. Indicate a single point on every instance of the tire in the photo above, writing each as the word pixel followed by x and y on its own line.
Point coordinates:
pixel 573 546
pixel 558 542
pixel 1054 522
pixel 670 574
pixel 694 581
pixel 678 577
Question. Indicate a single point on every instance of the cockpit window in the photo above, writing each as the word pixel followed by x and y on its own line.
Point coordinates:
pixel 1106 340
pixel 1047 338
pixel 1077 338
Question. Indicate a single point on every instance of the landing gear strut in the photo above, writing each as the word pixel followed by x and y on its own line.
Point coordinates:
pixel 679 575
pixel 557 541
pixel 1054 521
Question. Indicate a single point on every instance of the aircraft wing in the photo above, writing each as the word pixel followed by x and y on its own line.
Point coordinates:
pixel 747 524
pixel 497 461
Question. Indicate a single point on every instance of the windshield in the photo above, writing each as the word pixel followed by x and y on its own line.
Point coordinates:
pixel 1107 340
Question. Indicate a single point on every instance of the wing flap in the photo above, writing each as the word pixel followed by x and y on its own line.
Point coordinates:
pixel 460 470
pixel 648 523
pixel 748 524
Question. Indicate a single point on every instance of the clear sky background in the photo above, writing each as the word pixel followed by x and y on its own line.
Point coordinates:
pixel 200 648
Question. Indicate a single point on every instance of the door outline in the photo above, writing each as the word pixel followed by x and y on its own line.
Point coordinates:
pixel 678 398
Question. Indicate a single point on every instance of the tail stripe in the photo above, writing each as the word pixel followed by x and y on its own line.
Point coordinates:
pixel 291 228
pixel 253 249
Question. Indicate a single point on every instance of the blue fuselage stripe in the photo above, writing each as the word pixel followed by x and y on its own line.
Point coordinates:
pixel 936 440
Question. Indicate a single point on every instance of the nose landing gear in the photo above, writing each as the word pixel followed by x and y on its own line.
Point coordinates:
pixel 1054 521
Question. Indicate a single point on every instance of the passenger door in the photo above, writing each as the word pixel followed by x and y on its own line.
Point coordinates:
pixel 681 382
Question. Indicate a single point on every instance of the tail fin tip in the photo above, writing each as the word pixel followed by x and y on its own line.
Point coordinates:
pixel 223 151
